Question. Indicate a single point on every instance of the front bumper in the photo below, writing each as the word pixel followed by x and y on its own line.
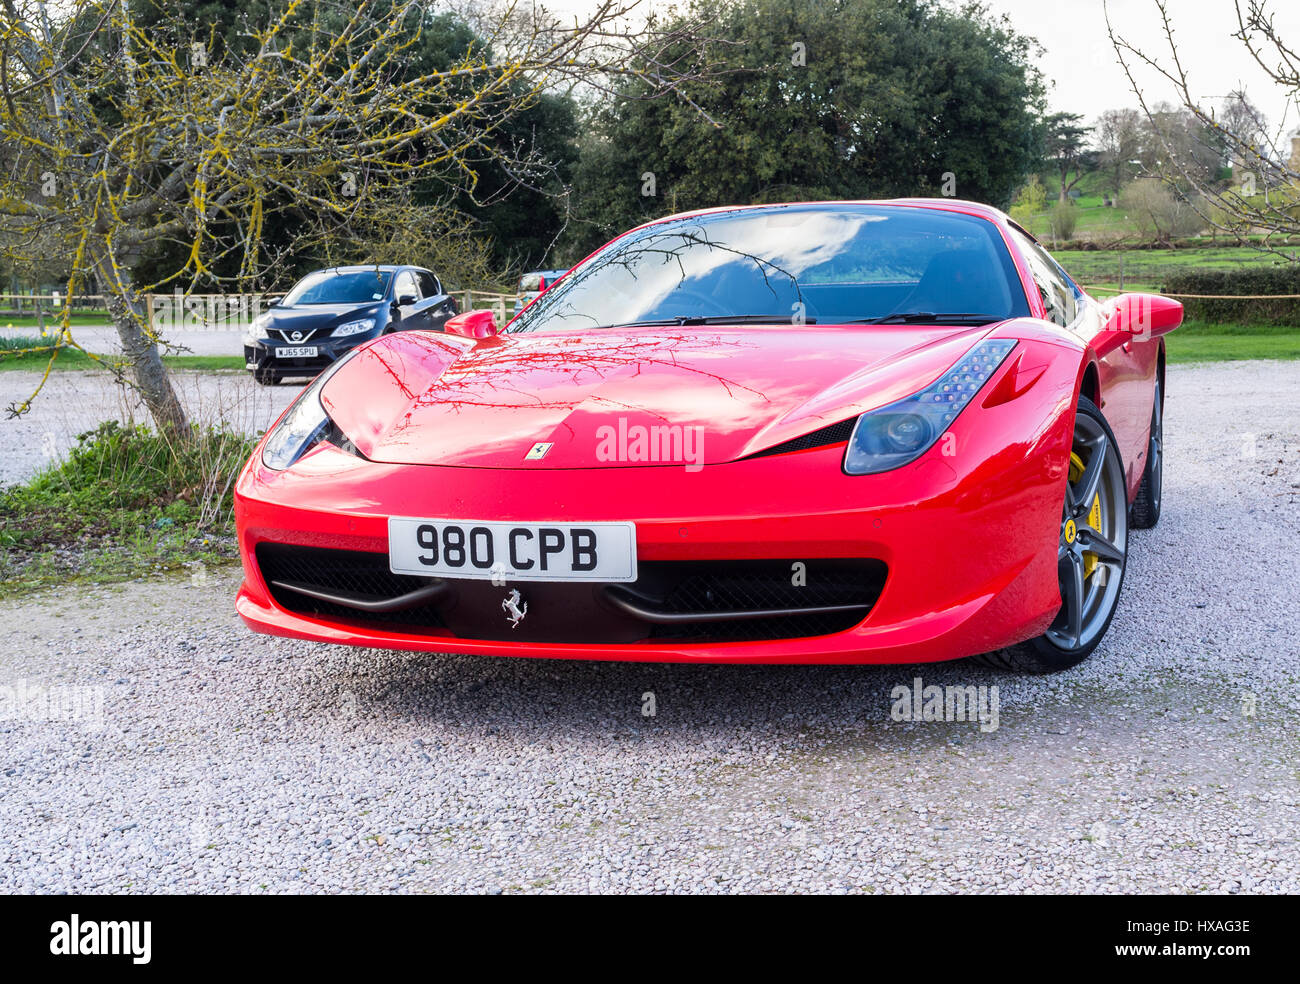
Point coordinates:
pixel 260 356
pixel 969 540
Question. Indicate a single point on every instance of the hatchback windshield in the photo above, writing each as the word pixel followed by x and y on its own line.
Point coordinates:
pixel 348 287
pixel 815 264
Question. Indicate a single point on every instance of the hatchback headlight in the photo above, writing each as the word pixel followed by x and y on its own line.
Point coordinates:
pixel 353 328
pixel 257 330
pixel 903 431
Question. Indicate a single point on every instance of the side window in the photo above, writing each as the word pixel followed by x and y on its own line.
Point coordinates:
pixel 428 284
pixel 1058 293
pixel 405 285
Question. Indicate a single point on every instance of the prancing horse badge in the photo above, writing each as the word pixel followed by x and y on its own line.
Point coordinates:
pixel 514 609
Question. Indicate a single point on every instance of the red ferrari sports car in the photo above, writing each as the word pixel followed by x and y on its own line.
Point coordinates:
pixel 847 432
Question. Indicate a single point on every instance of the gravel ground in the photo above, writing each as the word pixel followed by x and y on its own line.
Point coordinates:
pixel 210 759
pixel 74 401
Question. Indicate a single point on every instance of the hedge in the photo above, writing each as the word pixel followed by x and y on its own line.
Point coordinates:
pixel 1252 281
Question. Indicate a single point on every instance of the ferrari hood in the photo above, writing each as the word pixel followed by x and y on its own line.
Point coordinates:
pixel 624 397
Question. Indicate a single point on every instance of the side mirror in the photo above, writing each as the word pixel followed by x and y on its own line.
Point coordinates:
pixel 274 302
pixel 473 324
pixel 406 300
pixel 1143 315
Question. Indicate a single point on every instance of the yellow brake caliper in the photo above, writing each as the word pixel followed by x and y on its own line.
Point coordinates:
pixel 1094 514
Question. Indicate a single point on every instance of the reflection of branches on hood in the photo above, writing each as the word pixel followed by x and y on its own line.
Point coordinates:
pixel 580 360
pixel 498 379
pixel 393 361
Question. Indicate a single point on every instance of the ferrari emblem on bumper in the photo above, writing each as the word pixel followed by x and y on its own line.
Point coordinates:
pixel 538 451
pixel 515 608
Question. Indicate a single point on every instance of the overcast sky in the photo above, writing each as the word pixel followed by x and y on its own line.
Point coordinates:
pixel 1080 61
pixel 1080 64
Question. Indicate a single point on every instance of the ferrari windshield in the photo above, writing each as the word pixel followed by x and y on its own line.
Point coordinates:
pixel 340 287
pixel 803 264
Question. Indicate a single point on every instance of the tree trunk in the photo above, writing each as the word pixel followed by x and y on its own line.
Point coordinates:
pixel 147 369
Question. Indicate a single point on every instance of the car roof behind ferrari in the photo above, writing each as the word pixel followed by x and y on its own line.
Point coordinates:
pixel 945 204
pixel 362 267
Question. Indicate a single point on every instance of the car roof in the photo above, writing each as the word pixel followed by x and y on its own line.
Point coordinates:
pixel 384 267
pixel 943 204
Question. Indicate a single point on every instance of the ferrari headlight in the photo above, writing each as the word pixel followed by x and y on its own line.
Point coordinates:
pixel 303 425
pixel 353 328
pixel 903 431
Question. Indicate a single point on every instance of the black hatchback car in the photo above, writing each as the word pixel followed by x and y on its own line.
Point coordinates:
pixel 329 312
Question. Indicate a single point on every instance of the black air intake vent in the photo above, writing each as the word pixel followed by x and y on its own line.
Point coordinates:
pixel 834 434
pixel 346 573
pixel 704 600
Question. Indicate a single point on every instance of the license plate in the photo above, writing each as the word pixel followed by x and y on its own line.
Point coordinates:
pixel 296 352
pixel 512 551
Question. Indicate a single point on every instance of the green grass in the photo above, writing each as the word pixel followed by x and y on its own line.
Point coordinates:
pixel 207 363
pixel 1151 266
pixel 1093 219
pixel 8 320
pixel 124 503
pixel 1197 342
pixel 1145 270
pixel 74 359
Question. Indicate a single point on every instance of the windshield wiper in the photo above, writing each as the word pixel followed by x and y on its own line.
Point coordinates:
pixel 683 321
pixel 929 318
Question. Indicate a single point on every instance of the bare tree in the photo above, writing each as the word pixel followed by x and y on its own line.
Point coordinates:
pixel 1237 114
pixel 116 137
pixel 1119 142
pixel 1157 212
pixel 1266 198
pixel 1178 147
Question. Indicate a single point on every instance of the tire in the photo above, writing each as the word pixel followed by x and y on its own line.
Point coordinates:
pixel 1146 507
pixel 265 377
pixel 1076 631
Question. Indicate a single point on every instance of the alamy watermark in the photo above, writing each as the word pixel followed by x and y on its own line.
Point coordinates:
pixel 652 444
pixel 179 311
pixel 951 703
pixel 75 937
pixel 74 704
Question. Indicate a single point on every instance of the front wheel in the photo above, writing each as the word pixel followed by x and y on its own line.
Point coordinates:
pixel 1091 553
